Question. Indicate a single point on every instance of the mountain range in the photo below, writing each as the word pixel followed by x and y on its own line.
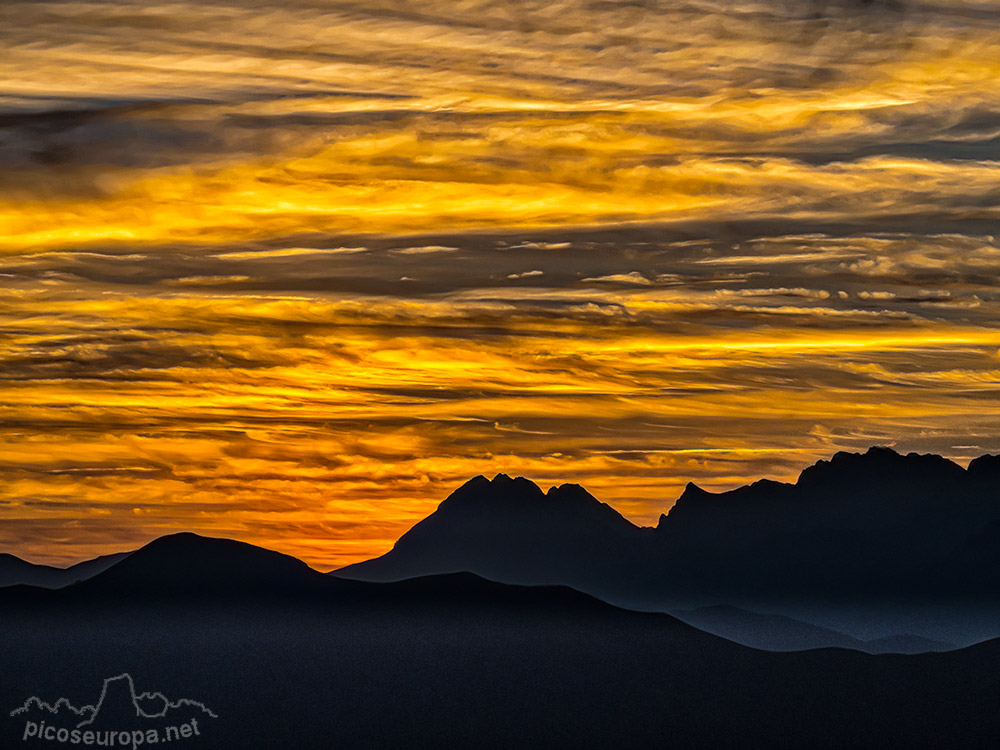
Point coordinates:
pixel 779 633
pixel 288 657
pixel 874 551
pixel 14 570
pixel 874 544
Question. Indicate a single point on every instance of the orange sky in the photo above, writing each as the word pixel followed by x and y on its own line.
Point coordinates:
pixel 291 275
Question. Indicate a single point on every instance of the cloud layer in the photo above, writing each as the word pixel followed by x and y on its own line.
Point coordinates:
pixel 291 274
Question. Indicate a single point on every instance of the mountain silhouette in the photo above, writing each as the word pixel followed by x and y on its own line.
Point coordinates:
pixel 15 571
pixel 454 661
pixel 190 566
pixel 875 531
pixel 766 631
pixel 509 530
pixel 873 524
pixel 779 633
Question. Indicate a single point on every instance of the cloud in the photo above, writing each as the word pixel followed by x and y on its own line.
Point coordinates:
pixel 290 252
pixel 257 279
pixel 424 249
pixel 632 277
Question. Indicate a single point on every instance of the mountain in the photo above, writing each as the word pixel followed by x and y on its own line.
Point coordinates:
pixel 878 531
pixel 905 644
pixel 765 631
pixel 778 633
pixel 190 567
pixel 510 530
pixel 15 571
pixel 873 525
pixel 451 661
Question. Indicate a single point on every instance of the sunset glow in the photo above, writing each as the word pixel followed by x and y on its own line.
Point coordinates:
pixel 290 275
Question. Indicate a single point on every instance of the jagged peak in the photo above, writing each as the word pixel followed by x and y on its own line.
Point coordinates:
pixel 502 487
pixel 691 491
pixel 568 488
pixel 987 464
pixel 505 494
pixel 765 482
pixel 572 494
pixel 479 479
pixel 481 482
pixel 840 458
pixel 691 495
pixel 883 450
pixel 877 457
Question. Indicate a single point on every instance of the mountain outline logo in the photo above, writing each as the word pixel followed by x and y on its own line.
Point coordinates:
pixel 127 711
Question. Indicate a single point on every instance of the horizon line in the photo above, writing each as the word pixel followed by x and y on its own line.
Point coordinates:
pixel 205 533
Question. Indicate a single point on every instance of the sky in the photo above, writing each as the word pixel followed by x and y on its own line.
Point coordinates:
pixel 291 273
